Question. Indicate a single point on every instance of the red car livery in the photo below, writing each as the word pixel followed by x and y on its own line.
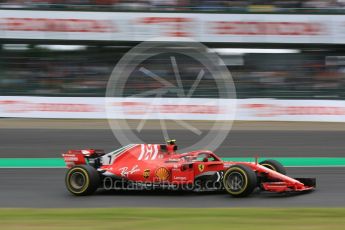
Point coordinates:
pixel 143 166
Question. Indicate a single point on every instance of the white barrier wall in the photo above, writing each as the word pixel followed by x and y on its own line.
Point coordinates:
pixel 202 27
pixel 185 109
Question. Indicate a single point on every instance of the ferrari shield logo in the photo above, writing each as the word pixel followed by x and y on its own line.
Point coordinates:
pixel 201 167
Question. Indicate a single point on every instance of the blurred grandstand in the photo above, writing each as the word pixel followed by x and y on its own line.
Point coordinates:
pixel 183 5
pixel 84 71
pixel 78 68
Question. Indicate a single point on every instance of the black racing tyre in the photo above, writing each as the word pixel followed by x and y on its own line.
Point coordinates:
pixel 82 180
pixel 240 180
pixel 274 165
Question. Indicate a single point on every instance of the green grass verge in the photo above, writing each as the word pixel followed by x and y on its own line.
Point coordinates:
pixel 174 219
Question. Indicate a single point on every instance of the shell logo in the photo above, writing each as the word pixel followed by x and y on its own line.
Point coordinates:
pixel 162 173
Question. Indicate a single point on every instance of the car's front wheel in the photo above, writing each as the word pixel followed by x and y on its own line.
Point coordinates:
pixel 82 180
pixel 274 165
pixel 239 180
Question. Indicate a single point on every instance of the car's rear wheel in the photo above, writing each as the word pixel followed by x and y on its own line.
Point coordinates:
pixel 239 180
pixel 82 180
pixel 274 165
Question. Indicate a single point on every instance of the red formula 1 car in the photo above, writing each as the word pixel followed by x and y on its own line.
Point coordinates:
pixel 143 166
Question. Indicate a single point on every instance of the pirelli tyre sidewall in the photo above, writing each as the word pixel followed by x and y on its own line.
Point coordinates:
pixel 82 180
pixel 274 165
pixel 240 180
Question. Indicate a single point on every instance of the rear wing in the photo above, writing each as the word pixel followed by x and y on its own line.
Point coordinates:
pixel 82 157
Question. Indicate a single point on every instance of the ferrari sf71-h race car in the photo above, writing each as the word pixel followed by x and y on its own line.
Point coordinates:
pixel 143 166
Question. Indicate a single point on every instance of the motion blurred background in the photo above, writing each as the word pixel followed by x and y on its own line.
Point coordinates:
pixel 286 58
pixel 175 5
pixel 286 49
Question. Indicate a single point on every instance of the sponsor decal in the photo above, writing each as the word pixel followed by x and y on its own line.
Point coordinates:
pixel 146 173
pixel 85 152
pixel 124 171
pixel 180 178
pixel 140 108
pixel 20 106
pixel 201 167
pixel 170 26
pixel 267 28
pixel 71 158
pixel 162 173
pixel 220 176
pixel 271 110
pixel 201 27
pixel 59 25
pixel 251 110
pixel 227 165
pixel 173 160
pixel 148 152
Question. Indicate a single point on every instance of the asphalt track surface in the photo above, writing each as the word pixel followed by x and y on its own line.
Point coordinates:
pixel 45 187
pixel 31 143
